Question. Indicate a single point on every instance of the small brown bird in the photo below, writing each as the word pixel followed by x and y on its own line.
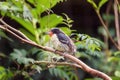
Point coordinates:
pixel 61 41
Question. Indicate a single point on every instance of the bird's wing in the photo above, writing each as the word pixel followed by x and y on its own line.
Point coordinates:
pixel 63 38
pixel 66 40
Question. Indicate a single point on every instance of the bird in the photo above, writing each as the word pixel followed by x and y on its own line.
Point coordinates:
pixel 61 42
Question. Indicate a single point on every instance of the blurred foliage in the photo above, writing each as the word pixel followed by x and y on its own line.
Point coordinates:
pixel 95 6
pixel 36 18
pixel 5 74
pixel 111 56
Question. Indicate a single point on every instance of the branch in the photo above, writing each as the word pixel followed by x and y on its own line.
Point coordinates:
pixel 105 27
pixel 57 63
pixel 117 22
pixel 79 63
pixel 14 30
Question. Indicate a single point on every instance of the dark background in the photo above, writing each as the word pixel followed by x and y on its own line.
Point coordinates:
pixel 82 13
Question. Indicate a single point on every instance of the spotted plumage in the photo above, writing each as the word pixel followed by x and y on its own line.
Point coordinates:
pixel 61 41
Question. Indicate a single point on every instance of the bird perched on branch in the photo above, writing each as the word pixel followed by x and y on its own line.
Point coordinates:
pixel 61 42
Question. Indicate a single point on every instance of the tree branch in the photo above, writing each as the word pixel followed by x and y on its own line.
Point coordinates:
pixel 78 63
pixel 117 22
pixel 105 27
pixel 57 63
pixel 14 30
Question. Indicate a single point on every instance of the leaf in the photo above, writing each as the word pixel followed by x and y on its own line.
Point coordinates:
pixel 93 44
pixel 4 6
pixel 93 3
pixel 26 13
pixel 117 73
pixel 66 30
pixel 26 24
pixel 50 21
pixel 115 78
pixel 20 56
pixel 31 1
pixel 36 67
pixel 108 17
pixel 117 53
pixel 17 3
pixel 115 59
pixel 2 72
pixel 67 21
pixel 2 55
pixel 102 31
pixel 44 5
pixel 35 50
pixel 2 34
pixel 5 74
pixel 101 3
pixel 59 73
pixel 28 34
pixel 7 8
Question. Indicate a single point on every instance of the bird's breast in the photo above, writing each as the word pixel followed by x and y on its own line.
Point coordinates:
pixel 58 45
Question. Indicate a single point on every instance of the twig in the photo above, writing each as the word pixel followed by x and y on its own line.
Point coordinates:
pixel 101 20
pixel 14 30
pixel 109 5
pixel 117 22
pixel 72 58
pixel 57 63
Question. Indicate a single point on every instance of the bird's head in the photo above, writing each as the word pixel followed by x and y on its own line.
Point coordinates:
pixel 54 31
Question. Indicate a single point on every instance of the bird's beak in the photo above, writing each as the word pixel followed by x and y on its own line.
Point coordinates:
pixel 50 33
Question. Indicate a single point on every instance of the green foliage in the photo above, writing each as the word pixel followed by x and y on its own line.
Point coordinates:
pixel 63 73
pixel 68 22
pixel 115 60
pixel 5 74
pixel 30 17
pixel 100 4
pixel 2 34
pixel 36 18
pixel 20 56
pixel 88 45
pixel 93 79
pixel 59 73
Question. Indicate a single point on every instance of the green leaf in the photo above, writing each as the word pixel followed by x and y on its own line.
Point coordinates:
pixel 115 78
pixel 28 34
pixel 26 13
pixel 2 34
pixel 26 24
pixel 67 21
pixel 50 21
pixel 93 44
pixel 36 67
pixel 17 3
pixel 59 73
pixel 92 3
pixel 5 74
pixel 108 17
pixel 117 73
pixel 66 30
pixel 2 72
pixel 2 55
pixel 4 6
pixel 20 56
pixel 44 5
pixel 115 59
pixel 31 1
pixel 117 53
pixel 7 7
pixel 102 31
pixel 101 3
